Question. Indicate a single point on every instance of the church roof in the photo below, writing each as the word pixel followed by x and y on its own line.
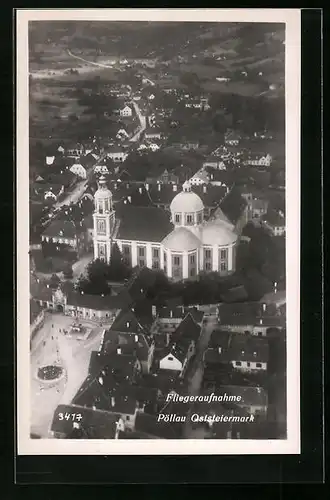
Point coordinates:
pixel 217 232
pixel 142 223
pixel 181 239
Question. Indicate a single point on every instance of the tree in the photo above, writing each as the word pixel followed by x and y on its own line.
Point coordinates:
pixel 96 281
pixel 117 270
pixel 54 281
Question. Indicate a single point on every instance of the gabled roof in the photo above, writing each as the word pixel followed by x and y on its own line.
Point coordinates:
pixel 127 322
pixel 94 424
pixel 233 205
pixel 181 312
pixel 187 330
pixel 61 229
pixel 99 303
pixel 40 291
pixel 248 348
pixel 129 344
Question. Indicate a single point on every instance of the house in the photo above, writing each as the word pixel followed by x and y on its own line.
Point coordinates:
pixel 187 331
pixel 215 162
pixel 176 356
pixel 152 133
pixel 252 399
pixel 117 155
pixel 73 421
pixel 199 178
pixel 101 169
pixel 254 318
pixel 127 343
pixel 37 317
pixel 259 208
pixel 75 150
pixel 48 191
pixel 244 352
pixel 258 159
pixel 274 222
pixel 79 170
pixel 64 232
pixel 153 146
pixel 125 111
pixel 168 319
pixel 232 138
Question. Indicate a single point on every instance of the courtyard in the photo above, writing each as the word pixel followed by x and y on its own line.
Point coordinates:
pixel 59 365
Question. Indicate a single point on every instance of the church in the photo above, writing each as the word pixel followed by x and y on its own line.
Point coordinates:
pixel 181 243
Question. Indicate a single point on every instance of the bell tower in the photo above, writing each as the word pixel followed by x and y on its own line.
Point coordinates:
pixel 104 221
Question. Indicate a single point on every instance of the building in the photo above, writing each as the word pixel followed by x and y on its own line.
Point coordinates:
pixel 152 133
pixel 182 245
pixel 274 222
pixel 253 399
pixel 168 319
pixel 79 170
pixel 244 353
pixel 63 232
pixel 176 356
pixel 117 154
pixel 73 421
pixel 199 178
pixel 253 318
pixel 37 317
pixel 232 138
pixel 126 111
pixel 79 305
pixel 264 160
pixel 215 162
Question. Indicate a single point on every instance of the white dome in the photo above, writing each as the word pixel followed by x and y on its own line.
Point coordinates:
pixel 218 233
pixel 187 202
pixel 180 240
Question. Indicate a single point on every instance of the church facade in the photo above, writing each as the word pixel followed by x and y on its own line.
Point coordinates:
pixel 182 244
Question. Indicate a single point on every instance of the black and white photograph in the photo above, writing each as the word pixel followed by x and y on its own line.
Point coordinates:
pixel 158 242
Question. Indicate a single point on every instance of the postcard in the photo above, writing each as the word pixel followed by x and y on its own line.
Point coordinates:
pixel 158 244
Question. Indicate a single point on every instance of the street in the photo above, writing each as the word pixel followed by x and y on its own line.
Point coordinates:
pixel 143 123
pixel 51 347
pixel 195 381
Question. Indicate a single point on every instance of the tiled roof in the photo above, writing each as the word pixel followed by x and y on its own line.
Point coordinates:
pixel 248 313
pixel 99 303
pixel 149 425
pixel 274 218
pixel 127 322
pixel 94 424
pixel 187 329
pixel 248 348
pixel 61 229
pixel 128 343
pixel 219 338
pixel 133 224
pixel 181 312
pixel 251 396
pixel 40 291
pixel 233 205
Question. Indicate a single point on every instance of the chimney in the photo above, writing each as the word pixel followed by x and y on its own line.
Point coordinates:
pixel 136 338
pixel 175 187
pixel 159 187
pixel 219 350
pixel 129 199
pixel 127 324
pixel 260 321
pixel 113 401
pixel 118 350
pixel 171 313
pixel 140 190
pixel 264 307
pixel 147 187
pixel 153 311
pixel 101 380
pixel 204 188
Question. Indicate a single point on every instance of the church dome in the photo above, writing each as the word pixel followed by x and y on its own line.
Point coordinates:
pixel 181 240
pixel 103 192
pixel 218 233
pixel 186 201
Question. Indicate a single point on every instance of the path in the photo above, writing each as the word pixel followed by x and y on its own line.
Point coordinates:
pixel 143 123
pixel 100 65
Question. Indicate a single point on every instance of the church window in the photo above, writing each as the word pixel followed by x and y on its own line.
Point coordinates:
pixel 192 272
pixel 192 259
pixel 223 266
pixel 178 218
pixel 189 219
pixel 126 249
pixel 155 253
pixel 199 218
pixel 165 257
pixel 141 262
pixel 141 251
pixel 176 261
pixel 101 226
pixel 223 254
pixel 155 264
pixel 208 266
pixel 208 254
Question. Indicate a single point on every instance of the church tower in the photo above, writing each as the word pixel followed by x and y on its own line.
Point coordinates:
pixel 104 221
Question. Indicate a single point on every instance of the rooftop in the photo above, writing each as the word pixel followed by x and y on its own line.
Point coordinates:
pixel 94 424
pixel 133 224
pixel 61 228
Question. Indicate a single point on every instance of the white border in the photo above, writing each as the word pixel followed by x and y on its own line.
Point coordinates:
pixel 291 445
